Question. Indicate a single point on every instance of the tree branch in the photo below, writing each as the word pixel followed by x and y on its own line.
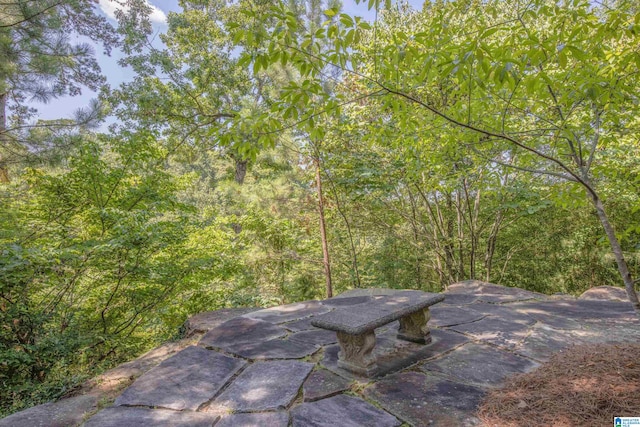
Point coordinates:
pixel 28 18
pixel 438 113
pixel 594 145
pixel 534 171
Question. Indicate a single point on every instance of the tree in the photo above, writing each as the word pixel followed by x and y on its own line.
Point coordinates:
pixel 208 97
pixel 41 61
pixel 192 91
pixel 551 85
pixel 309 15
pixel 92 257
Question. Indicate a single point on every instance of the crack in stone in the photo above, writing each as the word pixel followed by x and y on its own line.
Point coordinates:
pixel 463 323
pixel 440 355
pixel 224 352
pixel 225 386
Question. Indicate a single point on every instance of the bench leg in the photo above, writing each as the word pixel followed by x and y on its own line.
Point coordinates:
pixel 414 327
pixel 356 353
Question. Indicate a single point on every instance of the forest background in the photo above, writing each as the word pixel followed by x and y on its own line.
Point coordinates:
pixel 264 154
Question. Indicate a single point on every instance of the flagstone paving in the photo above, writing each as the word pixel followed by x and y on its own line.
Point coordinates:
pixel 266 419
pixel 184 381
pixel 463 365
pixel 427 400
pixel 273 368
pixel 121 416
pixel 323 383
pixel 264 386
pixel 341 410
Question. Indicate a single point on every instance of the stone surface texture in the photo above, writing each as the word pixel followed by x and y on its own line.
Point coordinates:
pixel 323 383
pixel 346 301
pixel 66 412
pixel 273 368
pixel 342 410
pixel 605 293
pixel 264 386
pixel 496 365
pixel 241 331
pixel 289 312
pixel 447 315
pixel 361 318
pixel 492 330
pixel 256 419
pixel 184 381
pixel 316 336
pixel 203 322
pixel 427 400
pixel 274 349
pixel 138 417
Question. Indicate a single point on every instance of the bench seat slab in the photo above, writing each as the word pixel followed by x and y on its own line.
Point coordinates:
pixel 361 318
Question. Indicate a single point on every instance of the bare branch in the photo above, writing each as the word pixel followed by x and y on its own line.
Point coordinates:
pixel 534 171
pixel 594 145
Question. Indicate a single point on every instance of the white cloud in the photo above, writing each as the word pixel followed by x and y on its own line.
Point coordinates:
pixel 109 7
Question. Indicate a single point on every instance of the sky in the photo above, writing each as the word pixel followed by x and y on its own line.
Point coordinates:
pixel 64 107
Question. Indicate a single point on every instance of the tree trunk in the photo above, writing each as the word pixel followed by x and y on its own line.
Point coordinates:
pixel 323 231
pixel 436 244
pixel 491 246
pixel 449 238
pixel 416 238
pixel 4 172
pixel 473 225
pixel 462 275
pixel 623 268
pixel 354 252
pixel 241 172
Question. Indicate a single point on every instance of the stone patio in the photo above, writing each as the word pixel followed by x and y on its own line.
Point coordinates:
pixel 273 368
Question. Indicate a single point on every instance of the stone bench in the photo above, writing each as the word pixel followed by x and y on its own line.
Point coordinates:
pixel 355 326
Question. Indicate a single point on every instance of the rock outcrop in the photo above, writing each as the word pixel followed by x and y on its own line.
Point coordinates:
pixel 272 367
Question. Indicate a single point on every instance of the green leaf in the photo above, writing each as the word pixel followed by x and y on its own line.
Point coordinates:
pixel 239 35
pixel 562 59
pixel 330 12
pixel 489 32
pixel 530 84
pixel 346 20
